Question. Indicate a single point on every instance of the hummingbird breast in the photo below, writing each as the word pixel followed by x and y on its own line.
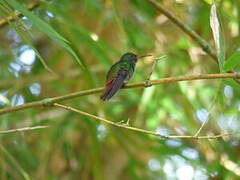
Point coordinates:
pixel 127 78
pixel 130 74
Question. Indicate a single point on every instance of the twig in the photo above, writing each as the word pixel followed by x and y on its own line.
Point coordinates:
pixel 202 42
pixel 202 125
pixel 125 126
pixel 5 21
pixel 209 112
pixel 153 66
pixel 23 129
pixel 50 101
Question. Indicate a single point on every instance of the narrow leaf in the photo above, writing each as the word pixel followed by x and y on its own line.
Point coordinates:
pixel 217 35
pixel 45 28
pixel 232 83
pixel 27 40
pixel 232 61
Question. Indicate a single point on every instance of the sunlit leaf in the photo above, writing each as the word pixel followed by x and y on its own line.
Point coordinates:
pixel 83 37
pixel 4 100
pixel 79 146
pixel 217 35
pixel 232 61
pixel 27 40
pixel 232 83
pixel 45 28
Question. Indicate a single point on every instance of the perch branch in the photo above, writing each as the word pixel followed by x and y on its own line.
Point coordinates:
pixel 144 84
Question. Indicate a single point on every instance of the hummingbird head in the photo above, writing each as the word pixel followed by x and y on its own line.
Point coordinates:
pixel 131 57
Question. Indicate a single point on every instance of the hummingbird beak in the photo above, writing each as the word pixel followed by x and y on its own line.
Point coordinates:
pixel 138 57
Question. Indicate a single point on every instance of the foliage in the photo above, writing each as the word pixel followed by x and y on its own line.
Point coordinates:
pixel 79 41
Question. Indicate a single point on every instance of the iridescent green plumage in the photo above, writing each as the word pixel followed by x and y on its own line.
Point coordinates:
pixel 119 74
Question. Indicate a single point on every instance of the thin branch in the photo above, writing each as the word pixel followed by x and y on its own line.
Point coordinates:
pixel 209 112
pixel 50 101
pixel 5 21
pixel 155 61
pixel 125 126
pixel 202 125
pixel 202 42
pixel 23 129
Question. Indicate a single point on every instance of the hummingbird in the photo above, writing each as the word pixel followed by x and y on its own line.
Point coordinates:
pixel 119 74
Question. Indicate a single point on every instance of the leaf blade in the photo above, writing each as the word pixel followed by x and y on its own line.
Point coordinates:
pixel 217 35
pixel 46 29
pixel 232 61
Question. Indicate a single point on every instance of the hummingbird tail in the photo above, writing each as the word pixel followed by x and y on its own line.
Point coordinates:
pixel 114 85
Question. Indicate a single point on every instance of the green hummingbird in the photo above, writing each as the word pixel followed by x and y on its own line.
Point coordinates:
pixel 119 74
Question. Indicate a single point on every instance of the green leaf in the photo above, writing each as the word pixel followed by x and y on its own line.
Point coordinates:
pixel 45 28
pixel 96 48
pixel 217 35
pixel 232 61
pixel 27 40
pixel 232 83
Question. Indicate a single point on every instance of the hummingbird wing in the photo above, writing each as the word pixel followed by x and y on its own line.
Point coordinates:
pixel 114 84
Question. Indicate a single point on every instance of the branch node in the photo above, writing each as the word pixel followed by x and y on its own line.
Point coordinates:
pixel 124 122
pixel 47 102
pixel 196 137
pixel 162 137
pixel 237 75
pixel 147 83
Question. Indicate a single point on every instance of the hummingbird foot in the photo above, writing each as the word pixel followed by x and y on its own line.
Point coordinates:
pixel 147 83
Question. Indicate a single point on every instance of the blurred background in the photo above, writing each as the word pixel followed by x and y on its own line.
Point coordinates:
pixel 66 46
